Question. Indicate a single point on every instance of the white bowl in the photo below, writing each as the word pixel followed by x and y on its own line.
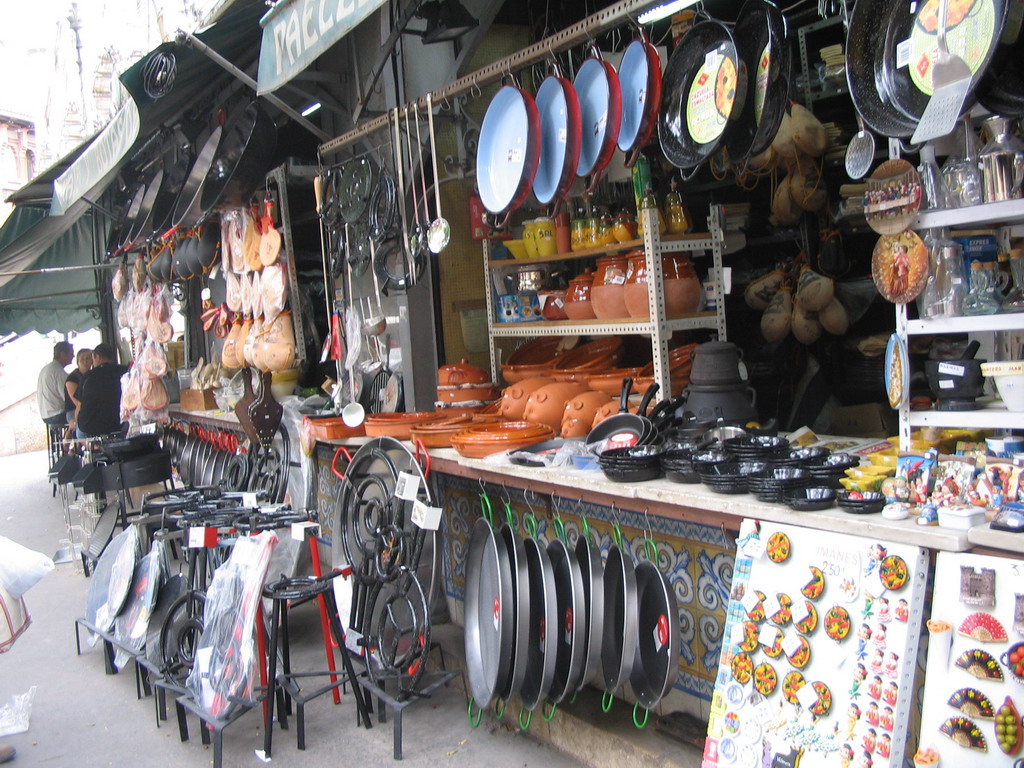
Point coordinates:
pixel 1009 377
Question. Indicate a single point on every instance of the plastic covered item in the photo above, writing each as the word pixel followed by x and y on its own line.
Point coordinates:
pixel 21 568
pixel 111 581
pixel 225 660
pixel 132 623
pixel 275 290
pixel 16 713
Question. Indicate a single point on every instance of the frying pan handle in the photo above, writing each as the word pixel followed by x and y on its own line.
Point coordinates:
pixel 637 722
pixel 334 461
pixel 586 529
pixel 595 52
pixel 547 713
pixel 503 224
pixel 524 725
pixel 485 508
pixel 648 396
pixel 607 699
pixel 632 157
pixel 594 181
pixel 473 721
pixel 627 387
pixel 170 232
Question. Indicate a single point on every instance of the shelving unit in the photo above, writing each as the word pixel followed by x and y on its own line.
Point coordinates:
pixel 1008 214
pixel 658 328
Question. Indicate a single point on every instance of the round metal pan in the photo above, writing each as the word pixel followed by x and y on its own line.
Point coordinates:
pixel 176 170
pixel 640 82
pixel 597 87
pixel 657 649
pixel 520 607
pixel 570 620
pixel 592 573
pixel 243 158
pixel 207 459
pixel 488 613
pixel 625 428
pixel 188 207
pixel 508 152
pixel 865 39
pixel 618 643
pixel 542 640
pixel 1001 88
pixel 760 35
pixel 133 213
pixel 698 94
pixel 974 32
pixel 561 133
pixel 140 229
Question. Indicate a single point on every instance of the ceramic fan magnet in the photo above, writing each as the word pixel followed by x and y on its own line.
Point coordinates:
pixel 983 627
pixel 893 197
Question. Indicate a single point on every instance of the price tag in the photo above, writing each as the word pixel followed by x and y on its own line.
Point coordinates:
pixel 428 518
pixel 952 369
pixel 902 53
pixel 352 639
pixel 407 486
pixel 771 605
pixel 301 530
pixel 200 537
pixel 205 294
pixel 736 634
pixel 711 61
pixel 749 600
pixel 147 429
pixel 807 696
pixel 791 643
pixel 768 635
pixel 250 500
pixel 755 548
pixel 800 611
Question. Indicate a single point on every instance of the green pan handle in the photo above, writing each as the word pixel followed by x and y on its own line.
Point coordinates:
pixel 548 710
pixel 636 721
pixel 559 527
pixel 650 549
pixel 473 721
pixel 586 529
pixel 530 523
pixel 510 516
pixel 485 508
pixel 607 699
pixel 572 699
pixel 617 535
pixel 499 708
pixel 525 725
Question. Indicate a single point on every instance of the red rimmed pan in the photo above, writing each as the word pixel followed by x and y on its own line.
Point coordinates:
pixel 561 131
pixel 508 152
pixel 597 87
pixel 640 82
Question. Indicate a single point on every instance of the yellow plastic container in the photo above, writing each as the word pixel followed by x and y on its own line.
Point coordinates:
pixel 886 458
pixel 861 484
pixel 517 248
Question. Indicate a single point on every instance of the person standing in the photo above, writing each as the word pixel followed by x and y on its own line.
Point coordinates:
pixel 74 380
pixel 50 385
pixel 100 395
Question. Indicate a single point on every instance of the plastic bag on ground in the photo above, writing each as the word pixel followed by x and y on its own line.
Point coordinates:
pixel 21 568
pixel 16 713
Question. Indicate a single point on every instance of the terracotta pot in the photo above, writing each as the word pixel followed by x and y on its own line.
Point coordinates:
pixel 461 373
pixel 610 381
pixel 683 291
pixel 680 361
pixel 534 358
pixel 438 434
pixel 545 405
pixel 397 425
pixel 578 415
pixel 578 305
pixel 610 409
pixel 608 292
pixel 553 305
pixel 594 355
pixel 481 441
pixel 466 394
pixel 514 397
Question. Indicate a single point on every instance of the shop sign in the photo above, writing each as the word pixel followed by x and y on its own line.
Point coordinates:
pixel 296 32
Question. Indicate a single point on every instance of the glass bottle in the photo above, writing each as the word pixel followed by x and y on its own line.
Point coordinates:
pixel 929 303
pixel 981 298
pixel 1014 301
pixel 951 278
pixel 675 211
pixel 961 173
pixel 935 195
pixel 650 201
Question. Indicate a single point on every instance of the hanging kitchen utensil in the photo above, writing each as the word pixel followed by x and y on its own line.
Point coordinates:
pixel 188 207
pixel 592 570
pixel 618 644
pixel 406 249
pixel 561 133
pixel 355 188
pixel 417 237
pixel 141 229
pixel 865 42
pixel 440 230
pixel 763 52
pixel 698 94
pixel 657 628
pixel 600 96
pixel 951 81
pixel 640 82
pixel 242 160
pixel 515 551
pixel 570 615
pixel 265 412
pixel 489 619
pixel 860 152
pixel 177 163
pixel 508 152
pixel 130 217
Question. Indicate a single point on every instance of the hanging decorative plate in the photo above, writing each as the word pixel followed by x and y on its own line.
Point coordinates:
pixel 897 372
pixel 893 197
pixel 899 266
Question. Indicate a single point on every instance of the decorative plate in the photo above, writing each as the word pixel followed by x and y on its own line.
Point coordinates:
pixel 899 266
pixel 893 197
pixel 791 683
pixel 765 678
pixel 779 547
pixel 814 588
pixel 742 668
pixel 837 623
pixel 897 372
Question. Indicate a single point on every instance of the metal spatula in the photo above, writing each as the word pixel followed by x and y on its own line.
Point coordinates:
pixel 951 80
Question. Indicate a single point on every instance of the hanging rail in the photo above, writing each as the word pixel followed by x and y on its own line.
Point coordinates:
pixel 578 33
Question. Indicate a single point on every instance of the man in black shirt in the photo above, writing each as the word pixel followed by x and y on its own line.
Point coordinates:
pixel 100 395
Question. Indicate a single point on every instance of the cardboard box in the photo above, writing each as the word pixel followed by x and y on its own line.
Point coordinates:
pixel 868 420
pixel 197 400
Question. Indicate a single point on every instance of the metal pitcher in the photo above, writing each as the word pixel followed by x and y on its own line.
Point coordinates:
pixel 1001 162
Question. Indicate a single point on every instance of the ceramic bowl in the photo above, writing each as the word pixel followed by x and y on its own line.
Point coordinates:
pixel 861 502
pixel 594 356
pixel 1009 377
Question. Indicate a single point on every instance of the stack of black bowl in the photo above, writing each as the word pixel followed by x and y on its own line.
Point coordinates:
pixel 631 465
pixel 809 499
pixel 827 470
pixel 756 447
pixel 770 484
pixel 703 460
pixel 730 476
pixel 861 502
pixel 677 459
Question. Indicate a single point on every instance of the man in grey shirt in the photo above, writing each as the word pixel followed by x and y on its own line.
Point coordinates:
pixel 50 384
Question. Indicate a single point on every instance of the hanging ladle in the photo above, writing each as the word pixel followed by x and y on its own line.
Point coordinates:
pixel 417 240
pixel 440 231
pixel 374 324
pixel 423 176
pixel 400 170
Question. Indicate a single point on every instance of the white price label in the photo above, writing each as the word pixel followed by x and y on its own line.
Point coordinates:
pixel 791 643
pixel 903 53
pixel 300 530
pixel 768 635
pixel 807 696
pixel 736 634
pixel 749 600
pixel 147 429
pixel 428 518
pixel 407 486
pixel 800 611
pixel 250 500
pixel 352 639
pixel 951 369
pixel 197 537
pixel 771 605
pixel 711 61
pixel 755 548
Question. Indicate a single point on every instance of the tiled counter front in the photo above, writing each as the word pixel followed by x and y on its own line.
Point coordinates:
pixel 697 559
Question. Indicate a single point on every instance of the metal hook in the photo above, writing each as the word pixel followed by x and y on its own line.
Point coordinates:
pixel 527 494
pixel 647 522
pixel 475 89
pixel 480 482
pixel 508 497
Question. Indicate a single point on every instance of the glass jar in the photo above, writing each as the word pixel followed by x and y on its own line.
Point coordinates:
pixel 605 234
pixel 625 227
pixel 1015 298
pixel 578 305
pixel 961 173
pixel 544 237
pixel 576 235
pixel 981 297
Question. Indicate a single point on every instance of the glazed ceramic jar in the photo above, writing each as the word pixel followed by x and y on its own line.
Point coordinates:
pixel 608 293
pixel 683 292
pixel 578 305
pixel 553 305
